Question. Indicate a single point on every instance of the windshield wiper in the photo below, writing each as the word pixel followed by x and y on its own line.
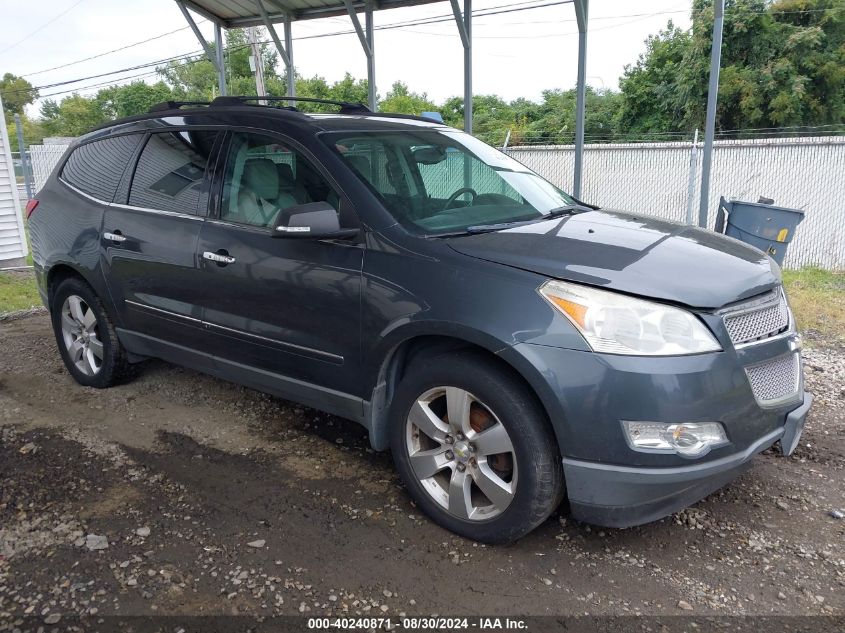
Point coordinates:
pixel 486 228
pixel 567 209
pixel 557 212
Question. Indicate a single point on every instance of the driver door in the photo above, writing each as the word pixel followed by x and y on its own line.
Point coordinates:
pixel 283 311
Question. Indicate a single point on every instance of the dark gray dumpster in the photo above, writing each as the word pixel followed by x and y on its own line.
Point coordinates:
pixel 760 224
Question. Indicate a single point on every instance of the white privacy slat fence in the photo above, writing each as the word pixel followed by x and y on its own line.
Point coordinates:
pixel 653 178
pixel 43 159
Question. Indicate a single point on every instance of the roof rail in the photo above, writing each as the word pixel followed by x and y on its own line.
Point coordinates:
pixel 345 106
pixel 175 105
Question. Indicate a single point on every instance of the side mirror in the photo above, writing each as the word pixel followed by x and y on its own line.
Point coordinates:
pixel 313 220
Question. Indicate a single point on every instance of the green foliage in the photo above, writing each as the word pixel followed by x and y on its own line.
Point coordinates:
pixel 401 100
pixel 17 93
pixel 196 79
pixel 33 132
pixel 316 87
pixel 783 64
pixel 134 98
pixel 73 116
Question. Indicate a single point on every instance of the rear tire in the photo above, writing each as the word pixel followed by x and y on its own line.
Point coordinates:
pixel 474 447
pixel 86 337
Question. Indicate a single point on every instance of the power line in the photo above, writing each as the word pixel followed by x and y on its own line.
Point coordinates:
pixel 114 50
pixel 519 6
pixel 418 21
pixel 43 26
pixel 495 10
pixel 489 11
pixel 105 84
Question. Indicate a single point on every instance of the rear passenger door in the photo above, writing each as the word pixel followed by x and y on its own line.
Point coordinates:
pixel 150 234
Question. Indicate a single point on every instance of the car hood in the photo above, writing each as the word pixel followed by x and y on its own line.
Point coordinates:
pixel 635 254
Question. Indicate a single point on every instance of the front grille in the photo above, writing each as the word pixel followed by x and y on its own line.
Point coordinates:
pixel 759 319
pixel 775 381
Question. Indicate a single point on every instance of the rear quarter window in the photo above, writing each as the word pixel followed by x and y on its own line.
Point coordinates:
pixel 170 171
pixel 96 168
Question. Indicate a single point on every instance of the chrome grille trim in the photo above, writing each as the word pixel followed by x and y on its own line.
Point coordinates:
pixel 776 381
pixel 758 320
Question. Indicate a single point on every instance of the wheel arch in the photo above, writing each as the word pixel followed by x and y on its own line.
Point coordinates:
pixel 416 346
pixel 58 272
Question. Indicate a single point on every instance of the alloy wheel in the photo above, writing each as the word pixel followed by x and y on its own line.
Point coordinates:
pixel 81 335
pixel 461 453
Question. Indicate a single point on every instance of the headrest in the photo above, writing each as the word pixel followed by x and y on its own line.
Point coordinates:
pixel 285 175
pixel 361 164
pixel 262 178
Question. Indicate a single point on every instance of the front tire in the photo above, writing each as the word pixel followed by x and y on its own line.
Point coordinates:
pixel 474 448
pixel 86 337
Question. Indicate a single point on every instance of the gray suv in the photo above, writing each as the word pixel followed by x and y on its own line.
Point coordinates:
pixel 512 346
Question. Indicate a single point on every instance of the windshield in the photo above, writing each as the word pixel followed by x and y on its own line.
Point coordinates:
pixel 438 182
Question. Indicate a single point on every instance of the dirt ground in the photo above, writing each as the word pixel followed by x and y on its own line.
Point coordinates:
pixel 181 494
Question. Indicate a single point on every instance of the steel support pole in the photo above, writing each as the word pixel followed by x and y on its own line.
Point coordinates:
pixel 468 67
pixel 25 164
pixel 581 12
pixel 366 39
pixel 215 56
pixel 693 168
pixel 464 22
pixel 290 72
pixel 371 57
pixel 712 100
pixel 221 64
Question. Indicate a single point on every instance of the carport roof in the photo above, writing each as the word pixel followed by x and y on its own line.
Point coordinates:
pixel 241 13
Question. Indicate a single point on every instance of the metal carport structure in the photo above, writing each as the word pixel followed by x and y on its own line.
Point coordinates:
pixel 228 14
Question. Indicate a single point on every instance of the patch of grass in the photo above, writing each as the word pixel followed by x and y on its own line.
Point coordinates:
pixel 18 291
pixel 818 301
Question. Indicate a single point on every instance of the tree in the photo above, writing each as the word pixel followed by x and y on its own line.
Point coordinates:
pixel 73 116
pixel 134 98
pixel 316 87
pixel 401 100
pixel 196 79
pixel 33 132
pixel 783 64
pixel 649 87
pixel 17 93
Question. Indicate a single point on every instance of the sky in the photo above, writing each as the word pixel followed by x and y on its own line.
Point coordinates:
pixel 516 54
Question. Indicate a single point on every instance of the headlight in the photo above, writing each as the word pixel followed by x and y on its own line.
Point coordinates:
pixel 618 324
pixel 689 439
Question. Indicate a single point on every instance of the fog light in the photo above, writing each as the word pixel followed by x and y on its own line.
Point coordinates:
pixel 689 439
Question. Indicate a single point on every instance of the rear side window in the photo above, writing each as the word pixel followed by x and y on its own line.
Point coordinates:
pixel 96 168
pixel 170 171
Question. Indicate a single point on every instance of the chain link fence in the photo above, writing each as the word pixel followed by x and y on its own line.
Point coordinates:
pixel 655 178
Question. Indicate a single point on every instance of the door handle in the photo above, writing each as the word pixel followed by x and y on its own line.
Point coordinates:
pixel 116 236
pixel 221 258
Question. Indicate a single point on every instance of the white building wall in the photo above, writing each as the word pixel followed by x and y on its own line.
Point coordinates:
pixel 13 248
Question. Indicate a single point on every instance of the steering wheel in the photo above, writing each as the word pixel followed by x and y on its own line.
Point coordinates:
pixel 458 194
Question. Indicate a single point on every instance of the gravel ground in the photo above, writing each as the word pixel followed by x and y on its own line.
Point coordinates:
pixel 181 494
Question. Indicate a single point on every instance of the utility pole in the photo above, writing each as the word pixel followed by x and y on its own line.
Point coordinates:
pixel 27 172
pixel 257 63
